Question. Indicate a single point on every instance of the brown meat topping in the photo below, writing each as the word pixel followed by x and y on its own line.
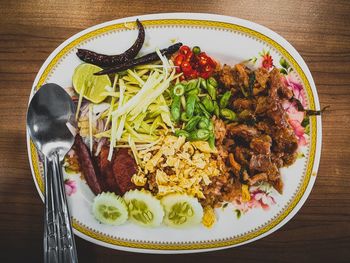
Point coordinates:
pixel 106 171
pixel 261 144
pixel 243 104
pixel 87 165
pixel 242 130
pixel 262 76
pixel 244 78
pixel 226 77
pixel 264 141
pixel 124 167
pixel 261 177
pixel 220 130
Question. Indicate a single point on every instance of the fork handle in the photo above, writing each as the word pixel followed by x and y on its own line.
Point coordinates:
pixel 59 238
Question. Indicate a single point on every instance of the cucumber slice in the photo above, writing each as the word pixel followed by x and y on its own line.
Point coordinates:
pixel 110 209
pixel 181 210
pixel 144 208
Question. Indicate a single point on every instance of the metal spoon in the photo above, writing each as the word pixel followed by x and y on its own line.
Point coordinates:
pixel 50 109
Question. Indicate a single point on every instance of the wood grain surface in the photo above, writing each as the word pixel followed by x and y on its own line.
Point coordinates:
pixel 319 30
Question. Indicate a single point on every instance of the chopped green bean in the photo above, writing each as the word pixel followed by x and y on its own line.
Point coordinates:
pixel 194 91
pixel 179 133
pixel 208 104
pixel 191 101
pixel 212 81
pixel 204 123
pixel 197 109
pixel 199 135
pixel 211 140
pixel 228 114
pixel 192 123
pixel 183 102
pixel 211 91
pixel 204 111
pixel 211 126
pixel 179 90
pixel 176 108
pixel 203 83
pixel 216 109
pixel 191 84
pixel 225 99
pixel 184 117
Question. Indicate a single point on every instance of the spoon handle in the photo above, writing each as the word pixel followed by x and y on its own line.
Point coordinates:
pixel 50 220
pixel 67 251
pixel 59 245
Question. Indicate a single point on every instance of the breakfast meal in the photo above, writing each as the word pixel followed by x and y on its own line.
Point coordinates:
pixel 171 136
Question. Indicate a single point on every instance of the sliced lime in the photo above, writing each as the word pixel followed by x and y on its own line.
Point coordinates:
pixel 90 85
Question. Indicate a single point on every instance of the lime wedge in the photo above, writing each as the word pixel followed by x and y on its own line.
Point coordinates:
pixel 90 85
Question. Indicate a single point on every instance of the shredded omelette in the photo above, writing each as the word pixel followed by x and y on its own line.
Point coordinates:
pixel 178 166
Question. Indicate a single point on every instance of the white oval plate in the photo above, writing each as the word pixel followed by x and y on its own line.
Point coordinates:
pixel 230 40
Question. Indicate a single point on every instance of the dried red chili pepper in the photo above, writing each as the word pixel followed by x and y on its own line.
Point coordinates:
pixel 141 60
pixel 103 60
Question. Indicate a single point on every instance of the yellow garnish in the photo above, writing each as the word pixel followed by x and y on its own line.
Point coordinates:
pixel 245 193
pixel 187 170
pixel 209 217
pixel 139 179
pixel 204 147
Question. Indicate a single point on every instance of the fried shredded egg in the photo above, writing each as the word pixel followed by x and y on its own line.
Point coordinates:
pixel 178 166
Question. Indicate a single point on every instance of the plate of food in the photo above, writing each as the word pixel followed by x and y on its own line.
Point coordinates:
pixel 195 132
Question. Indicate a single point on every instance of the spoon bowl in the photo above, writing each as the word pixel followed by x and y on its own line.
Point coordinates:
pixel 50 109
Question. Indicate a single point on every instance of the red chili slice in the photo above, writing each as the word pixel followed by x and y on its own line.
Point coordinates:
pixel 193 74
pixel 207 68
pixel 202 60
pixel 205 75
pixel 186 67
pixel 184 50
pixel 179 59
pixel 189 56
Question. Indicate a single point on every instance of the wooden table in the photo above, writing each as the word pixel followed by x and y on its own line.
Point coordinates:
pixel 319 30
